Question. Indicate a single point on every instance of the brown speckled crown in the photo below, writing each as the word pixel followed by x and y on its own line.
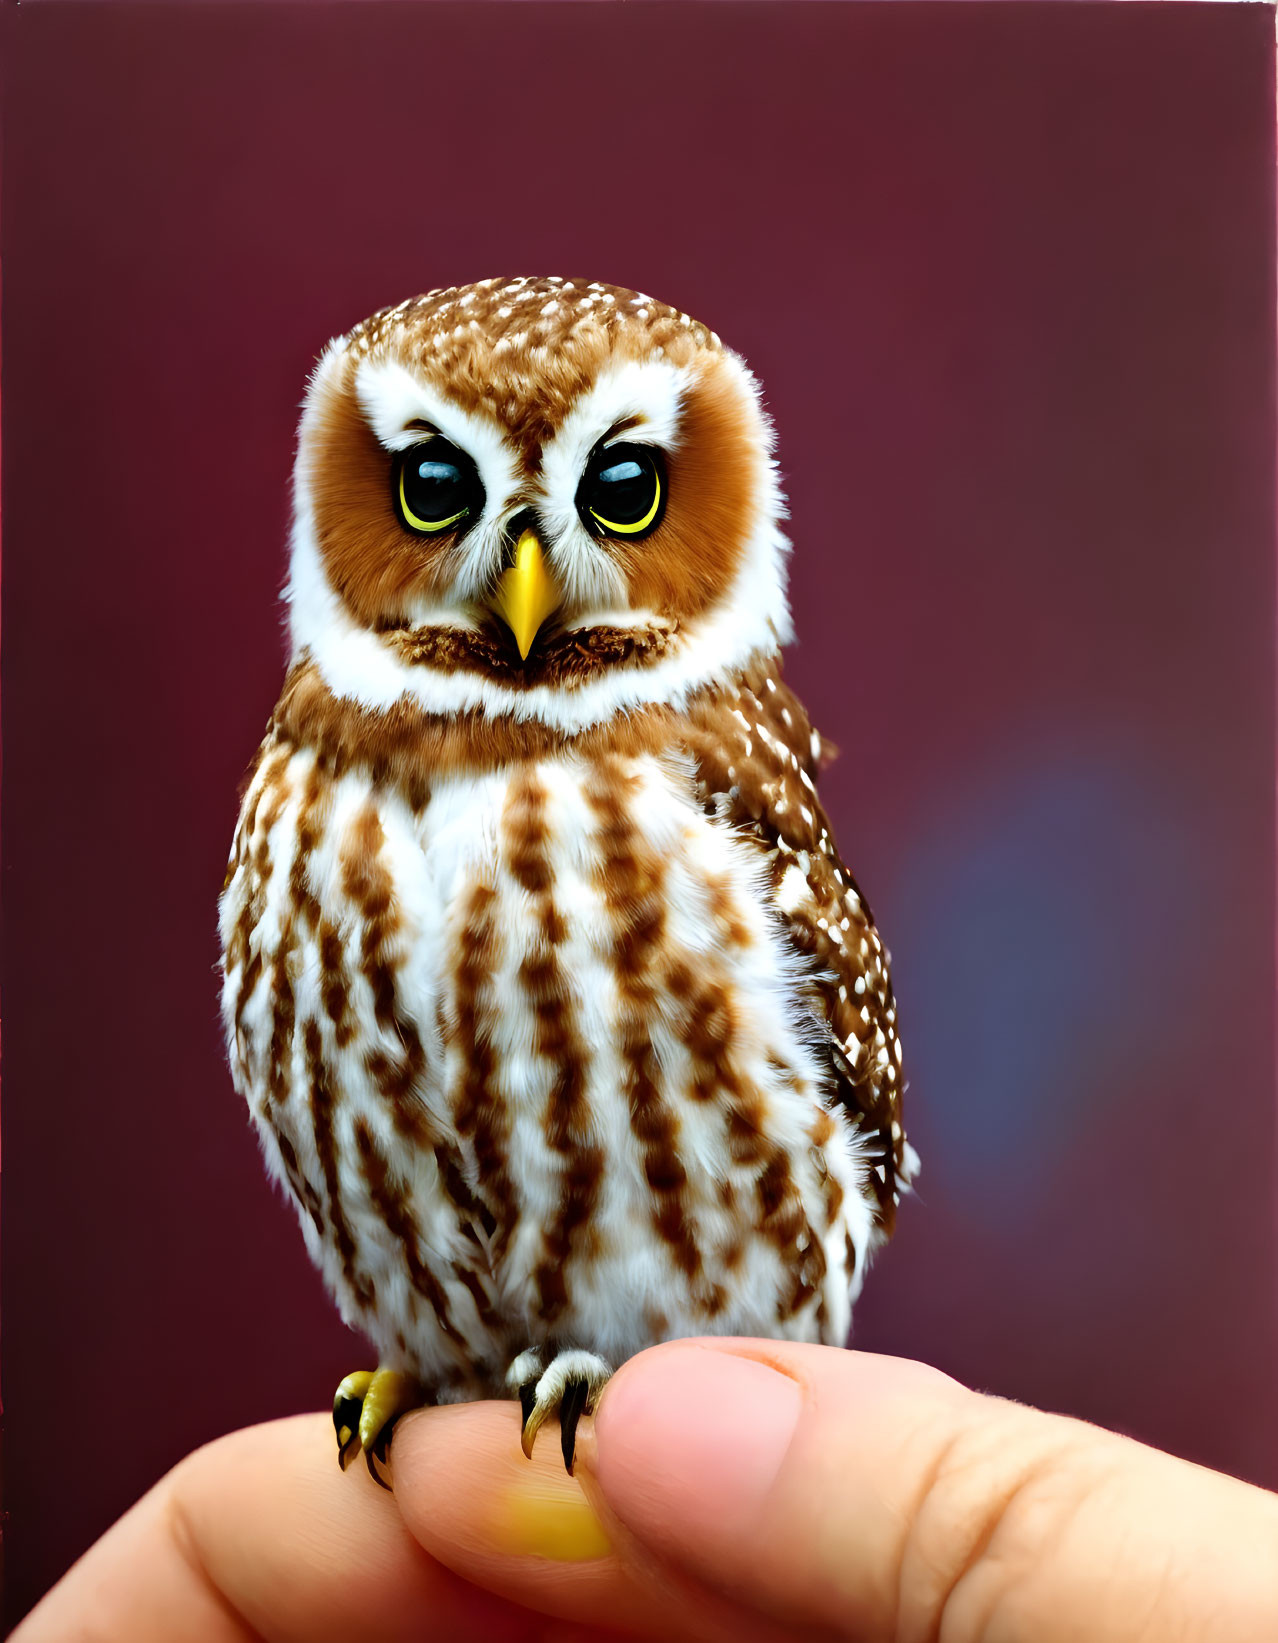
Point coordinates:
pixel 505 344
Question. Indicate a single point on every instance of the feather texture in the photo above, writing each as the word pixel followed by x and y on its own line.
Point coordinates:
pixel 559 1016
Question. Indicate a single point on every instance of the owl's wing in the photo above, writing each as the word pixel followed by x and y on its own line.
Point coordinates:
pixel 757 759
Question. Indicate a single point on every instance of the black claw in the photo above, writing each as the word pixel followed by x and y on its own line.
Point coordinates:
pixel 375 1457
pixel 376 1476
pixel 379 1455
pixel 572 1406
pixel 346 1419
pixel 528 1399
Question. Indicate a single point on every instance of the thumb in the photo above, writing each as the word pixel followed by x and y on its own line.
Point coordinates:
pixel 875 1498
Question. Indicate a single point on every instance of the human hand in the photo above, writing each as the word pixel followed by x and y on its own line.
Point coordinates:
pixel 727 1489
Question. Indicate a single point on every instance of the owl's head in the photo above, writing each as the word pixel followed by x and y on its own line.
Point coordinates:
pixel 538 497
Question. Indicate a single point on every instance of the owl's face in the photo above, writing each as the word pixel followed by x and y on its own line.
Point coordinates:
pixel 534 496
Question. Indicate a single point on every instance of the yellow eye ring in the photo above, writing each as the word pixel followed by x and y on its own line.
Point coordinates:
pixel 639 525
pixel 429 527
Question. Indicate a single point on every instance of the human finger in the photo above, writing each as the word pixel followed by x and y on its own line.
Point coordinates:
pixel 261 1536
pixel 875 1498
pixel 526 1530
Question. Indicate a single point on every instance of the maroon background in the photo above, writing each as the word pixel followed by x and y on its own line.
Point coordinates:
pixel 1007 275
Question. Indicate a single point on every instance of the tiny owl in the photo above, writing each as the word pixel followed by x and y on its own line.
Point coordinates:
pixel 559 1016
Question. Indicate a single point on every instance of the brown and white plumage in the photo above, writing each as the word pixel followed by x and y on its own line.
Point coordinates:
pixel 558 1014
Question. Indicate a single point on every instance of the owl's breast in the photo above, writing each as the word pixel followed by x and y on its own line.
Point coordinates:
pixel 626 1050
pixel 532 1059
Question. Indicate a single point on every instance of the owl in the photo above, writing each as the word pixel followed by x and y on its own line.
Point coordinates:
pixel 560 1019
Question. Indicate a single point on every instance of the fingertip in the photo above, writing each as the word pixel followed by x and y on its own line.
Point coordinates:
pixel 531 1533
pixel 467 1492
pixel 688 1434
pixel 522 1528
pixel 731 1459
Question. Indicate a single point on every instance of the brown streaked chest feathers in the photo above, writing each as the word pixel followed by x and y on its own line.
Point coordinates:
pixel 756 759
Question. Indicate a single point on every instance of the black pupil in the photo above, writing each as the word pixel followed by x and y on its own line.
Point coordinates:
pixel 623 490
pixel 436 487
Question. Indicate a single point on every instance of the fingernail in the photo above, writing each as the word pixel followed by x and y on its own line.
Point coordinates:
pixel 534 1518
pixel 692 1433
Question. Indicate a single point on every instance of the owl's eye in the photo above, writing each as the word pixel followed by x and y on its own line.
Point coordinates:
pixel 436 487
pixel 623 490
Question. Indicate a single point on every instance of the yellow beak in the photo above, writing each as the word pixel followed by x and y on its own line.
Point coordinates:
pixel 526 594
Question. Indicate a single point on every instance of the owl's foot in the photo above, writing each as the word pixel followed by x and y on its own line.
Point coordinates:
pixel 571 1385
pixel 365 1409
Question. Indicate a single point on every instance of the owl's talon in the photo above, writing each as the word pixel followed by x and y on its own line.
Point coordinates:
pixel 379 1455
pixel 533 1419
pixel 347 1402
pixel 572 1407
pixel 571 1385
pixel 365 1409
pixel 347 1445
